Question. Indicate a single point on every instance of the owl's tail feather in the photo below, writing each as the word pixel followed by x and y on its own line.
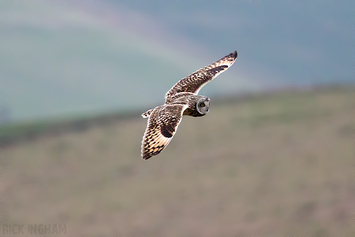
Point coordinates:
pixel 147 113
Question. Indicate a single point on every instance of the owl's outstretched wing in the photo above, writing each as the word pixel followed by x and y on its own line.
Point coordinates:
pixel 161 127
pixel 194 82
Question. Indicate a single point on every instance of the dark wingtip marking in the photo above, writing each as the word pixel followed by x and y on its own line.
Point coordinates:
pixel 146 156
pixel 234 54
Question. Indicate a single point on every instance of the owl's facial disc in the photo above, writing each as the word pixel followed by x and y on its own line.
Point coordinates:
pixel 203 105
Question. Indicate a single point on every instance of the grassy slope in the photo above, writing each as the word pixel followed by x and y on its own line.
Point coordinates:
pixel 277 165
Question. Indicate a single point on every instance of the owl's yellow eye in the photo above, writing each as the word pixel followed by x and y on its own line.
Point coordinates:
pixel 202 104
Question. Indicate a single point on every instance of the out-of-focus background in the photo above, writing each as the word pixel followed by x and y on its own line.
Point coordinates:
pixel 274 157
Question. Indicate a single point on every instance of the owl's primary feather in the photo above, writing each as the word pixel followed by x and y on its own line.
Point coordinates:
pixel 181 99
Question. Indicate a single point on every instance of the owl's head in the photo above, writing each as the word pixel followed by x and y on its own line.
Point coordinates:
pixel 203 105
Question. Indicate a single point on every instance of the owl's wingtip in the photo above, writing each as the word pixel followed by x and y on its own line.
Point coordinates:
pixel 146 156
pixel 235 54
pixel 232 56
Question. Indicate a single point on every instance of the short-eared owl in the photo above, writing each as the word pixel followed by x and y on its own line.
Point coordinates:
pixel 181 99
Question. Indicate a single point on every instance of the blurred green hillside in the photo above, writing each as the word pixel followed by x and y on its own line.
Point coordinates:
pixel 267 165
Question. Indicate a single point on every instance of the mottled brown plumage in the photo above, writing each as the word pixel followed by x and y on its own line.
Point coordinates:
pixel 181 99
pixel 194 82
pixel 159 132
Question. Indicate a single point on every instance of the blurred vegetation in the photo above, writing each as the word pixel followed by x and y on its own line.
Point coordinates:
pixel 14 133
pixel 277 164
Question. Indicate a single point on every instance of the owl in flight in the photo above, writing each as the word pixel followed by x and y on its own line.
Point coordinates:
pixel 181 99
